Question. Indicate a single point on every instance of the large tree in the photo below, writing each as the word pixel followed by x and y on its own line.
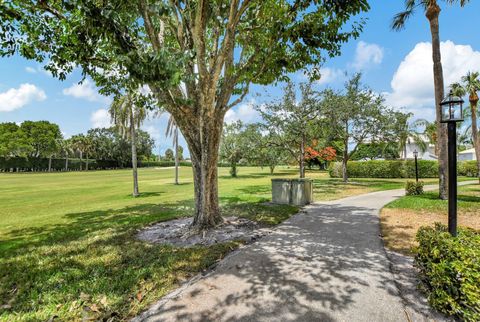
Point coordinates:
pixel 355 116
pixel 432 13
pixel 198 57
pixel 44 138
pixel 14 141
pixel 293 124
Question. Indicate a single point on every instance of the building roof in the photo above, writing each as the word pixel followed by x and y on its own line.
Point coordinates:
pixel 472 150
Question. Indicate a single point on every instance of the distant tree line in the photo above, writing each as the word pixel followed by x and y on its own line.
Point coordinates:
pixel 24 146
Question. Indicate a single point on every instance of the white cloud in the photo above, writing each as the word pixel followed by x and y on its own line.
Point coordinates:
pixel 412 83
pixel 100 118
pixel 30 70
pixel 85 90
pixel 245 113
pixel 16 98
pixel 366 55
pixel 329 75
pixel 153 130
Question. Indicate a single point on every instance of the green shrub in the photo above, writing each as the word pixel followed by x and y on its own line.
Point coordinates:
pixel 413 188
pixel 385 169
pixel 450 270
pixel 335 169
pixel 468 169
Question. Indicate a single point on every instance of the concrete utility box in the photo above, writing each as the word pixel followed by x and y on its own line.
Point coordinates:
pixel 297 192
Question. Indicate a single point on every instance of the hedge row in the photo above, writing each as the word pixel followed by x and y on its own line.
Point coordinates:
pixel 450 270
pixel 146 164
pixel 18 164
pixel 397 169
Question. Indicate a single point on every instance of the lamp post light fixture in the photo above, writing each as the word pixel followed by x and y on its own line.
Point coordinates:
pixel 452 112
pixel 415 154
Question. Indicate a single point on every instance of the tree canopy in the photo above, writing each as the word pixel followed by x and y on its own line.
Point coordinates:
pixel 198 57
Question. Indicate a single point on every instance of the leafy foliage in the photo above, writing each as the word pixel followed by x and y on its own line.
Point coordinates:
pixel 14 141
pixel 468 168
pixel 169 155
pixel 450 270
pixel 37 140
pixel 355 115
pixel 385 169
pixel 371 151
pixel 413 188
pixel 31 138
pixel 197 57
pixel 292 124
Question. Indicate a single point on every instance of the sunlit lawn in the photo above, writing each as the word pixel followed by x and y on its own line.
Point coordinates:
pixel 402 218
pixel 67 245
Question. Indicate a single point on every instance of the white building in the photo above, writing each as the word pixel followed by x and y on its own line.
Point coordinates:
pixel 467 155
pixel 429 154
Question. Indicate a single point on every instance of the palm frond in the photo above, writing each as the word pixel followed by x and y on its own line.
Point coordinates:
pixel 457 89
pixel 125 113
pixel 171 125
pixel 400 19
pixel 462 3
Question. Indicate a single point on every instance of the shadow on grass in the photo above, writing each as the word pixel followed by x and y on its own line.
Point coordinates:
pixel 257 189
pixel 259 175
pixel 149 194
pixel 96 253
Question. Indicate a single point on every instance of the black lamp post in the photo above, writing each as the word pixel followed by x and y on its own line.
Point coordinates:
pixel 415 154
pixel 452 112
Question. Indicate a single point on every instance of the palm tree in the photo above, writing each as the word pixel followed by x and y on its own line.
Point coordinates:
pixel 471 85
pixel 127 115
pixel 429 131
pixel 432 12
pixel 66 148
pixel 79 144
pixel 172 130
pixel 407 134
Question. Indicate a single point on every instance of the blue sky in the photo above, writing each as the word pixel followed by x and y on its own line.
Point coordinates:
pixel 397 64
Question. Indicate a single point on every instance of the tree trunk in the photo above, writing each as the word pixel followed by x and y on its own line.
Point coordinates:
pixel 50 164
pixel 176 154
pixel 345 156
pixel 86 164
pixel 81 161
pixel 133 138
pixel 344 168
pixel 432 14
pixel 203 138
pixel 302 158
pixel 233 169
pixel 66 162
pixel 272 168
pixel 475 138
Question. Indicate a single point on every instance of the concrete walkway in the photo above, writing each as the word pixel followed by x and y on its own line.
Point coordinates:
pixel 326 263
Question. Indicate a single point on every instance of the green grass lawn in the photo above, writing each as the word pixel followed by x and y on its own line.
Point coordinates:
pixel 67 245
pixel 468 201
